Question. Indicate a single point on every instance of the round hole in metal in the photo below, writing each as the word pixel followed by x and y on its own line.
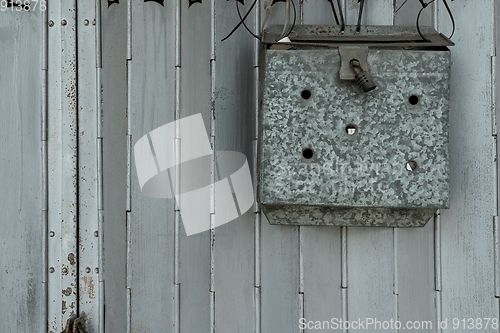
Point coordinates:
pixel 306 94
pixel 308 153
pixel 413 100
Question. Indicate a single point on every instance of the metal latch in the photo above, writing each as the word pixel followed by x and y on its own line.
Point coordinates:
pixel 75 324
pixel 355 58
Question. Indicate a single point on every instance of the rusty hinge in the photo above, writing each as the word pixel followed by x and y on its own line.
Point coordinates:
pixel 75 324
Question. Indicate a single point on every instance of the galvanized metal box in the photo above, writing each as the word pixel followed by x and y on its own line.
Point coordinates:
pixel 331 154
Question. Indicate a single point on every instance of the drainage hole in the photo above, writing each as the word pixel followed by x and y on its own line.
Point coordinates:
pixel 413 100
pixel 306 94
pixel 411 166
pixel 351 129
pixel 307 153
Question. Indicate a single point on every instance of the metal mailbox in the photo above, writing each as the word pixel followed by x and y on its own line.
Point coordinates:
pixel 331 153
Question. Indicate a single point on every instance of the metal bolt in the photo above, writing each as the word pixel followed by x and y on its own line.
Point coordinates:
pixel 51 23
pixel 86 22
pixel 51 269
pixel 64 270
pixel 87 270
pixel 411 166
pixel 93 22
pixel 97 270
pixel 96 233
pixel 64 22
pixel 351 129
pixel 52 234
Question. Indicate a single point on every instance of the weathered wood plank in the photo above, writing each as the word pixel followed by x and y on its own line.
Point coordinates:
pixel 321 246
pixel 234 131
pixel 21 271
pixel 195 98
pixel 466 234
pixel 370 259
pixel 415 274
pixel 280 309
pixel 151 243
pixel 407 15
pixel 115 170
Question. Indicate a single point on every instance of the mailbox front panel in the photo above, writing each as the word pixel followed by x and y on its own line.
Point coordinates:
pixel 329 148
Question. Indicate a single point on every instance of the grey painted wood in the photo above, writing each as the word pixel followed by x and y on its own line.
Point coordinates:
pixel 414 248
pixel 466 235
pixel 115 150
pixel 88 196
pixel 280 278
pixel 407 15
pixel 151 243
pixel 281 307
pixel 321 246
pixel 234 131
pixel 370 259
pixel 195 97
pixel 62 141
pixel 415 285
pixel 322 273
pixel 21 273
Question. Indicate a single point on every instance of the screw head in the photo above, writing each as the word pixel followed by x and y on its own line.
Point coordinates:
pixel 52 234
pixel 97 270
pixel 96 233
pixel 51 269
pixel 87 270
pixel 64 22
pixel 64 270
pixel 411 166
pixel 86 22
pixel 51 23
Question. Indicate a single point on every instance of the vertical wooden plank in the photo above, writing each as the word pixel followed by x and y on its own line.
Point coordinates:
pixel 62 168
pixel 415 282
pixel 234 131
pixel 415 274
pixel 151 242
pixel 113 84
pixel 374 12
pixel 280 278
pixel 195 98
pixel 21 271
pixel 407 14
pixel 370 260
pixel 88 196
pixel 321 246
pixel 280 309
pixel 371 249
pixel 322 273
pixel 467 242
pixel 320 12
pixel 370 271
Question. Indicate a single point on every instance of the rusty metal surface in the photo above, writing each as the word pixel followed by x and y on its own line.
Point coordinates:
pixel 369 35
pixel 367 169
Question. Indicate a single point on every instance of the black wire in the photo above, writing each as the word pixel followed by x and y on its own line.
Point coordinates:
pixel 294 19
pixel 451 16
pixel 244 24
pixel 334 12
pixel 241 21
pixel 424 5
pixel 361 5
pixel 342 21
